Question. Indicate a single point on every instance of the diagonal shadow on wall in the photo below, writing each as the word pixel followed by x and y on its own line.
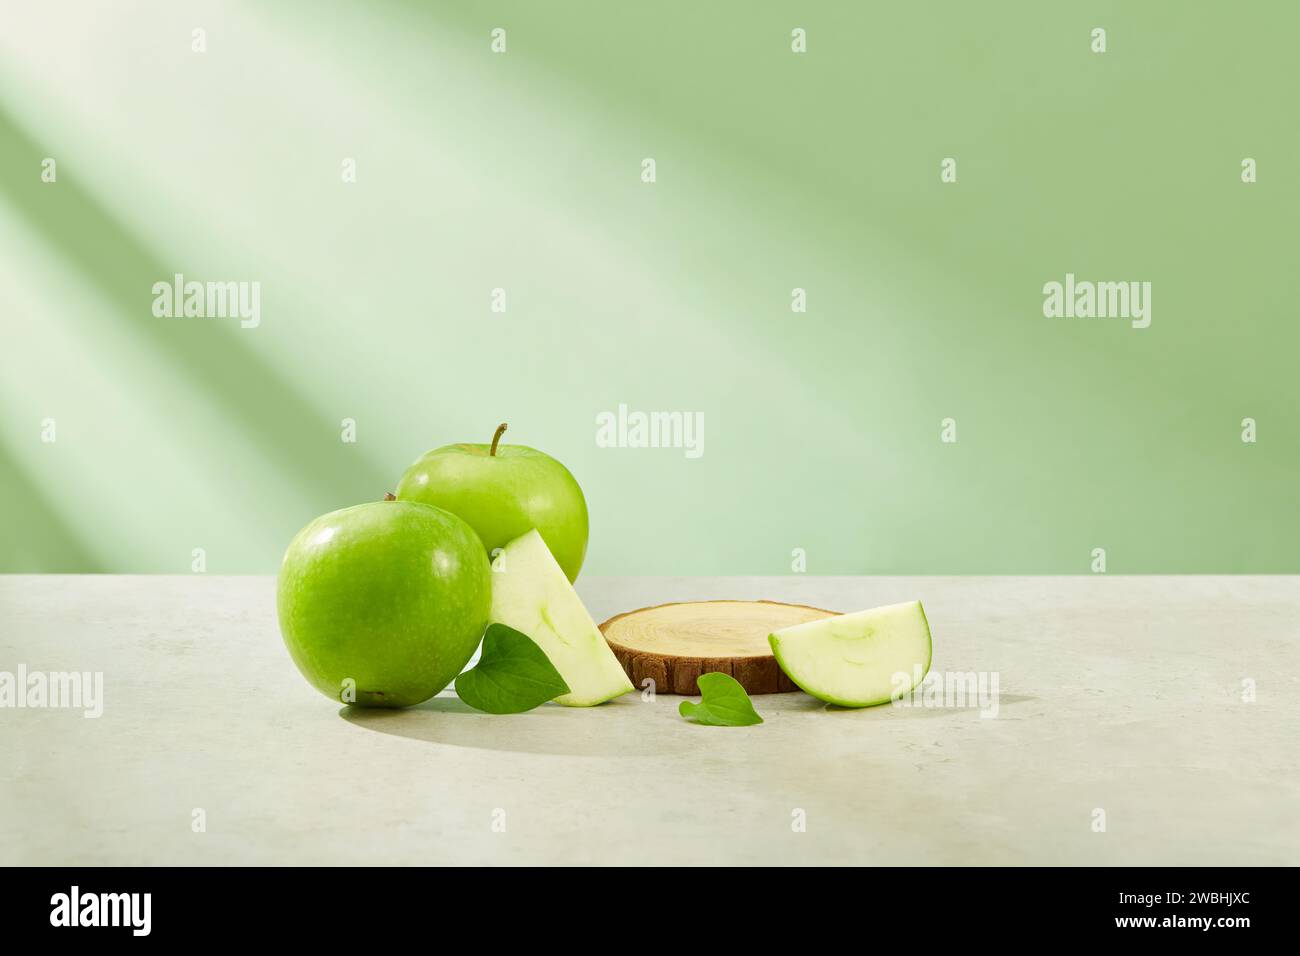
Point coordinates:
pixel 37 537
pixel 298 439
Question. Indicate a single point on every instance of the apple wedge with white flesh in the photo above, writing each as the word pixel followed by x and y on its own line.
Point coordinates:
pixel 857 660
pixel 531 593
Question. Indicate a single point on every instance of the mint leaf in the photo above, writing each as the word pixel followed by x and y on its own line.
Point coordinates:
pixel 512 675
pixel 723 703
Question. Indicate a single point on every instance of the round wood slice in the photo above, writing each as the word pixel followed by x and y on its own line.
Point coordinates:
pixel 673 644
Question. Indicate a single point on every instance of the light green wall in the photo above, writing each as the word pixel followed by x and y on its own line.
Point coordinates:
pixel 775 170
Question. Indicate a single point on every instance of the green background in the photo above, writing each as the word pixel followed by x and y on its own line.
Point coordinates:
pixel 775 170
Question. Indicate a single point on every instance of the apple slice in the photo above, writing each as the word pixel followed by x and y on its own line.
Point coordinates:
pixel 852 659
pixel 532 594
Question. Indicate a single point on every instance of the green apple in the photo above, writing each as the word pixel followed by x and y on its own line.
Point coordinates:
pixel 504 491
pixel 382 604
pixel 857 660
pixel 531 594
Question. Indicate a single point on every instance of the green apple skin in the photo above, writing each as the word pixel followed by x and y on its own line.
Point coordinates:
pixel 850 660
pixel 392 595
pixel 505 495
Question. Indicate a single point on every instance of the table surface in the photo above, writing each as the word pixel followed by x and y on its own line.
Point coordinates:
pixel 1122 701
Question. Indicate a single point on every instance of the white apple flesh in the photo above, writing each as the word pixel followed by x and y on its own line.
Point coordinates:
pixel 531 593
pixel 857 660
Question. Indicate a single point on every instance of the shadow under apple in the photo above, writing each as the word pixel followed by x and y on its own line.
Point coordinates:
pixel 613 729
pixel 809 704
pixel 905 712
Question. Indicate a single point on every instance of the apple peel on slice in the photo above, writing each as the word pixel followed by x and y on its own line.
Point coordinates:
pixel 531 593
pixel 857 660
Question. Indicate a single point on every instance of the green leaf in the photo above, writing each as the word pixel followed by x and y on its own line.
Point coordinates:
pixel 723 703
pixel 512 675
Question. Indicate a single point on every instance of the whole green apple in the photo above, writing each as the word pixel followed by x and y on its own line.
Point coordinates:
pixel 383 604
pixel 505 491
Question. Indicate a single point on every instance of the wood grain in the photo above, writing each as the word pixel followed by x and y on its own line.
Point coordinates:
pixel 673 644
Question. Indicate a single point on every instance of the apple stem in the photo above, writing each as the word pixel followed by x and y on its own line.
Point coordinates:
pixel 501 430
pixel 389 496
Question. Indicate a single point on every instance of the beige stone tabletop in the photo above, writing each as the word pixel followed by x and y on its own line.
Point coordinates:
pixel 1137 720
